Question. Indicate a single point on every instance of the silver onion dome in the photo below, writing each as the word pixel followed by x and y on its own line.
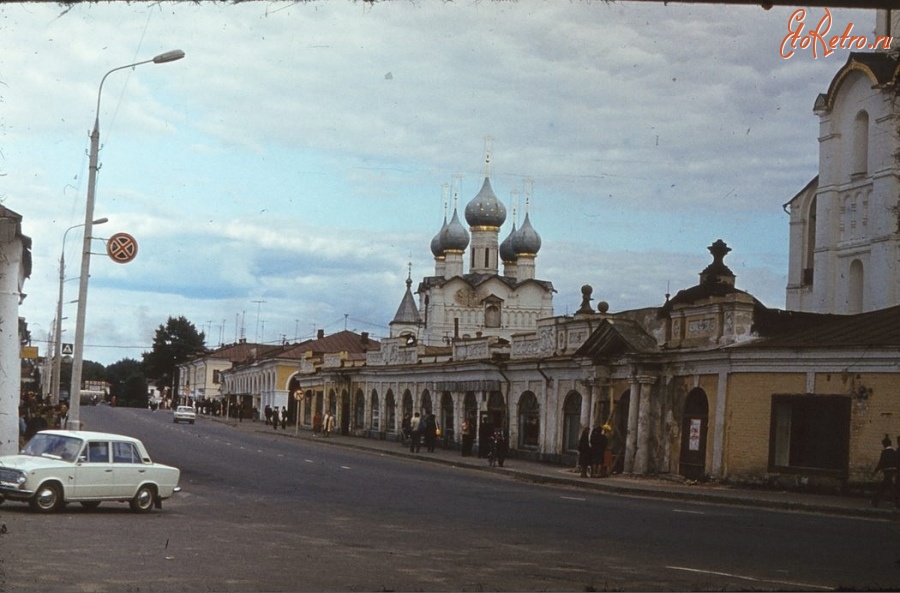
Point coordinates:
pixel 437 246
pixel 454 237
pixel 507 253
pixel 526 241
pixel 485 209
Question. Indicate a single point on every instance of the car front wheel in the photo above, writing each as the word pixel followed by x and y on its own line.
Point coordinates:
pixel 47 499
pixel 143 499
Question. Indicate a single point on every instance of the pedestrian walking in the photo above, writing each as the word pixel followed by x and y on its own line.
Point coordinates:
pixel 887 465
pixel 584 451
pixel 468 436
pixel 328 424
pixel 430 433
pixel 275 418
pixel 598 442
pixel 485 432
pixel 284 418
pixel 405 428
pixel 501 445
pixel 415 433
pixel 268 412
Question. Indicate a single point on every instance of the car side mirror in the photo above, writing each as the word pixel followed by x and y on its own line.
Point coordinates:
pixel 81 459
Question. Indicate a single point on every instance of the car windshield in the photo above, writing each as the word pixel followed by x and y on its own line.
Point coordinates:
pixel 54 446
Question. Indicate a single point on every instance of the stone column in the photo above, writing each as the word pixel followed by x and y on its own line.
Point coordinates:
pixel 586 405
pixel 642 454
pixel 631 435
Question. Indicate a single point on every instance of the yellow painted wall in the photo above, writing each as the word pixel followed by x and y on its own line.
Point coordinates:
pixel 748 416
pixel 874 412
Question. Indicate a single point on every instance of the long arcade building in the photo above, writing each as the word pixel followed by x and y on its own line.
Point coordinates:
pixel 709 384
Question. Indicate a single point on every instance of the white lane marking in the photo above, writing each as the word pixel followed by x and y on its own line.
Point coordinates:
pixel 746 578
pixel 309 461
pixel 688 512
pixel 572 498
pixel 344 467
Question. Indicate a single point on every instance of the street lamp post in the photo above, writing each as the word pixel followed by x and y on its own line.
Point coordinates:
pixel 75 391
pixel 57 342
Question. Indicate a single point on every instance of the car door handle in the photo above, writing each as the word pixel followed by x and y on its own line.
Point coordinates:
pixel 109 470
pixel 142 471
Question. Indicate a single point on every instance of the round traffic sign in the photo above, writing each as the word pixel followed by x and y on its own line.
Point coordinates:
pixel 121 248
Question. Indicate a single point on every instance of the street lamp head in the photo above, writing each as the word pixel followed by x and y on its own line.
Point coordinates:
pixel 103 220
pixel 169 56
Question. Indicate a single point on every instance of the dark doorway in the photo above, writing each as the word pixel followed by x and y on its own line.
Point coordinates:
pixel 694 427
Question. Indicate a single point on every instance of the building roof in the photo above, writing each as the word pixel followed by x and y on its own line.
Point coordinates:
pixel 407 312
pixel 614 337
pixel 882 69
pixel 475 280
pixel 793 329
pixel 342 341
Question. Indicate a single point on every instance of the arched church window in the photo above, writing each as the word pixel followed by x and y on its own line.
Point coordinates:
pixel 860 157
pixel 809 256
pixel 492 316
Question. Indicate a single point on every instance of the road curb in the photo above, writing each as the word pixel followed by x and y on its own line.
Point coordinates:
pixel 734 498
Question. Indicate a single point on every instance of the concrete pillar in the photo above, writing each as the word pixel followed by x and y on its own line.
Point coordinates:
pixel 631 435
pixel 11 249
pixel 642 454
pixel 586 408
pixel 718 418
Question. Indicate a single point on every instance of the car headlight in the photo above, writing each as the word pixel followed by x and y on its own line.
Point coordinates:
pixel 21 479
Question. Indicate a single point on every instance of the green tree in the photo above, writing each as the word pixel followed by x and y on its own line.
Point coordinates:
pixel 93 371
pixel 175 342
pixel 128 383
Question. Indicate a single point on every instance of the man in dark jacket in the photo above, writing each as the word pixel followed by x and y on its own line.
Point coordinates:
pixel 887 465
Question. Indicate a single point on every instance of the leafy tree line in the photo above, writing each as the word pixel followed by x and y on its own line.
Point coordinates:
pixel 173 343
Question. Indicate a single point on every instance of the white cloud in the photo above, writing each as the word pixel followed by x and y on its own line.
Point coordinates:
pixel 296 154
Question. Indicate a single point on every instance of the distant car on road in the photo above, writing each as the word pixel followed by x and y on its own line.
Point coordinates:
pixel 184 414
pixel 57 467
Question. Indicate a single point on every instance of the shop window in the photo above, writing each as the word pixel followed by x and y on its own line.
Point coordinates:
pixel 571 421
pixel 376 412
pixel 529 421
pixel 810 434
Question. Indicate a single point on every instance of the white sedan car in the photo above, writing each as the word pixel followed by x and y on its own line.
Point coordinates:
pixel 184 414
pixel 61 466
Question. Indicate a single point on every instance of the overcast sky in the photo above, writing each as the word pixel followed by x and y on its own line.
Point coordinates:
pixel 282 176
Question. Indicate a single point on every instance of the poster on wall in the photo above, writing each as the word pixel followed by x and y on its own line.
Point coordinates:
pixel 694 436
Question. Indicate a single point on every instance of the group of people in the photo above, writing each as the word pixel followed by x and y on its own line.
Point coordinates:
pixel 35 416
pixel 889 466
pixel 274 417
pixel 418 428
pixel 592 452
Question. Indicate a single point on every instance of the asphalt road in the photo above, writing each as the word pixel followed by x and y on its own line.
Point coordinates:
pixel 260 512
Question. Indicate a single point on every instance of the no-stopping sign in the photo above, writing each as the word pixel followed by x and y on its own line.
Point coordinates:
pixel 121 248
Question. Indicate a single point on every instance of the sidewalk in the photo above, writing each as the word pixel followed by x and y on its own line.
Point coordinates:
pixel 627 485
